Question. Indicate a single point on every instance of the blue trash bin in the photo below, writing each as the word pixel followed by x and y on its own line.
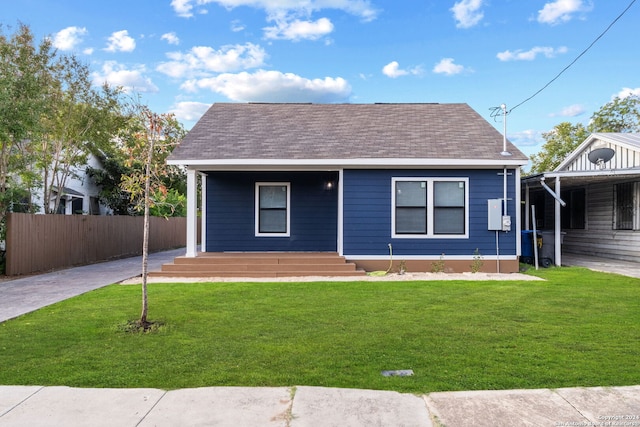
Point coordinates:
pixel 527 246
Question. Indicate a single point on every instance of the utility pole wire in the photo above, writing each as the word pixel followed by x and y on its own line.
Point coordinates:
pixel 575 60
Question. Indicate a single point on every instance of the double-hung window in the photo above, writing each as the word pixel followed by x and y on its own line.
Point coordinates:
pixel 430 207
pixel 272 209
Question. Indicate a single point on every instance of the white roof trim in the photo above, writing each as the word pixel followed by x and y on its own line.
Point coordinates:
pixel 606 172
pixel 239 163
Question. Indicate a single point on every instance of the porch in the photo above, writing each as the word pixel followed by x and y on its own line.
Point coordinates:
pixel 259 265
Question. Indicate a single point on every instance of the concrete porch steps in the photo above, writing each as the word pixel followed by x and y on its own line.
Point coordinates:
pixel 259 265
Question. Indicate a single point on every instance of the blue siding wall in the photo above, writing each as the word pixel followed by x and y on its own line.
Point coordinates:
pixel 231 212
pixel 367 214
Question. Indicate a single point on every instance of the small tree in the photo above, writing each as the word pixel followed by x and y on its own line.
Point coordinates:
pixel 149 139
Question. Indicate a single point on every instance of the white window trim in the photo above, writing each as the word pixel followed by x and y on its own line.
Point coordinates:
pixel 257 209
pixel 430 208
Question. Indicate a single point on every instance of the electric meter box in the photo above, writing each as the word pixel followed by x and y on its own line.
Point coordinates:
pixel 495 214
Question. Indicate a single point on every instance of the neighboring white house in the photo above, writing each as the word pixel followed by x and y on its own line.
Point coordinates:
pixel 600 184
pixel 79 194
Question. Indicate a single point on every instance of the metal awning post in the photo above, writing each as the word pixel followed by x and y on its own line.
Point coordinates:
pixel 558 225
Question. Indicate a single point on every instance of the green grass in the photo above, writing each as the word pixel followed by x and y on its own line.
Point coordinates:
pixel 577 328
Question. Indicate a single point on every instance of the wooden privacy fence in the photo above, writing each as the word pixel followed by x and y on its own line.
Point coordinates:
pixel 38 243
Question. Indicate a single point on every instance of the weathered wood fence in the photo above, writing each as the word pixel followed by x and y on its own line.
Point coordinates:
pixel 38 243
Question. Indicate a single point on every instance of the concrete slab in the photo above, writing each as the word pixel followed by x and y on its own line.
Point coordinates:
pixel 509 408
pixel 220 407
pixel 605 405
pixel 12 396
pixel 64 406
pixel 326 407
pixel 26 294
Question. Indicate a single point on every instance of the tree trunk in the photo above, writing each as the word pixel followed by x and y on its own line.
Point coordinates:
pixel 145 238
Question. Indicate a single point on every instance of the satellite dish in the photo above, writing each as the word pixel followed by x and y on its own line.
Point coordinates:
pixel 600 156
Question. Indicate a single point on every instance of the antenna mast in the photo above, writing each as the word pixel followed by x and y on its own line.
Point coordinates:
pixel 503 107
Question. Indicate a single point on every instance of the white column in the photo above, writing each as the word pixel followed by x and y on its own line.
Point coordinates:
pixel 518 210
pixel 340 213
pixel 203 212
pixel 192 214
pixel 558 225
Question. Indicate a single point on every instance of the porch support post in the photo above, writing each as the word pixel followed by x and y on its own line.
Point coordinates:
pixel 203 212
pixel 517 211
pixel 340 242
pixel 192 214
pixel 558 225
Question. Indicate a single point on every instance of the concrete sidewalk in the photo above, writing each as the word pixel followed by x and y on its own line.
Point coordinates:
pixel 316 406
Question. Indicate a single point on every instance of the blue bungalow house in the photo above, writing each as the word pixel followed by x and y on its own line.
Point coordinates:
pixel 431 182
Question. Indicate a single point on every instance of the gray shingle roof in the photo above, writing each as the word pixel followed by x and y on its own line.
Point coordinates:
pixel 292 132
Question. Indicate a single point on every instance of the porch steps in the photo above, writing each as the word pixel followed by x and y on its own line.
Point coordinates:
pixel 259 265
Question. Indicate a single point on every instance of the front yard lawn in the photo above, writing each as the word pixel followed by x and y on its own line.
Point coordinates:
pixel 577 328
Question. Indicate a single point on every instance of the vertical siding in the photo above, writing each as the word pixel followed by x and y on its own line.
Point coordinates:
pixel 367 214
pixel 231 212
pixel 45 242
pixel 599 238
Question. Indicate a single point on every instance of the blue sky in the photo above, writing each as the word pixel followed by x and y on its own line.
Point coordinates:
pixel 183 55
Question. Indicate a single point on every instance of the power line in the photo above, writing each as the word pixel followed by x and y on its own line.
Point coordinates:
pixel 576 59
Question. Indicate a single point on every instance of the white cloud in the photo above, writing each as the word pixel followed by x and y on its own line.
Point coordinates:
pixel 467 13
pixel 68 38
pixel 273 86
pixel 118 75
pixel 393 70
pixel 627 91
pixel 298 30
pixel 361 8
pixel 570 111
pixel 446 66
pixel 171 38
pixel 236 26
pixel 121 42
pixel 528 138
pixel 204 59
pixel 559 11
pixel 530 55
pixel 189 110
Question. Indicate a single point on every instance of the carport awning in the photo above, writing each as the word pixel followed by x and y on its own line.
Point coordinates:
pixel 582 177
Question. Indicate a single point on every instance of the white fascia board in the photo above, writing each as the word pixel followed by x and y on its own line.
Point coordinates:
pixel 344 163
pixel 605 172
